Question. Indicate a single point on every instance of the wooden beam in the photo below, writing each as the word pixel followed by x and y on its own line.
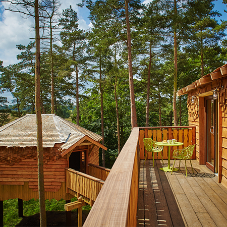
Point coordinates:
pixel 1 213
pixel 202 131
pixel 81 141
pixel 74 205
pixel 20 208
pixel 220 143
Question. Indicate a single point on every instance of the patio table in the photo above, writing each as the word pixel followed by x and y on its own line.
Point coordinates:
pixel 168 168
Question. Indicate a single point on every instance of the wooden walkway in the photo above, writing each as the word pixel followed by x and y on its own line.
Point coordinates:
pixel 177 200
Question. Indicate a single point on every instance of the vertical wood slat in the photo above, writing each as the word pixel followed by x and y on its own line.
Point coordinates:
pixel 79 183
pixel 159 139
pixel 141 145
pixel 155 139
pixel 98 171
pixel 165 149
pixel 194 141
pixel 149 136
pixel 187 136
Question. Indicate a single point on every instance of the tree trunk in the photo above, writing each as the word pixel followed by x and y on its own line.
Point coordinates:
pixel 39 122
pixel 202 63
pixel 77 97
pixel 51 67
pixel 175 69
pixel 131 85
pixel 102 121
pixel 160 111
pixel 180 109
pixel 148 89
pixel 118 124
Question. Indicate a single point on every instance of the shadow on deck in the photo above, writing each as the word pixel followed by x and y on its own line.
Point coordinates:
pixel 177 200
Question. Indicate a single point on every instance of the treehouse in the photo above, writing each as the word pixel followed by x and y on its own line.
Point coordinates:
pixel 207 110
pixel 71 153
pixel 138 193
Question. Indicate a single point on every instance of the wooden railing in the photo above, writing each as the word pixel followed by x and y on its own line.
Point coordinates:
pixel 184 134
pixel 98 171
pixel 80 184
pixel 116 204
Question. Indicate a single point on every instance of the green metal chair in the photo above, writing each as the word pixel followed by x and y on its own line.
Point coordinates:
pixel 183 154
pixel 151 146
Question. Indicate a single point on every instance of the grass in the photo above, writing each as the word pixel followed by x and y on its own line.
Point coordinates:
pixel 31 207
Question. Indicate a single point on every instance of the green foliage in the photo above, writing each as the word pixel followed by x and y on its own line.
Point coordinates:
pixel 31 207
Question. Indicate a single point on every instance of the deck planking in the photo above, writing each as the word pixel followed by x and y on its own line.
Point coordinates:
pixel 167 199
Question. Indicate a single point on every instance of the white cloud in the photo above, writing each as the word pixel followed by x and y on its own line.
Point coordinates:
pixel 14 30
pixel 18 30
pixel 147 2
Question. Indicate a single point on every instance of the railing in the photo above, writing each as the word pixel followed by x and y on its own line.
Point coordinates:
pixel 116 204
pixel 81 184
pixel 98 171
pixel 184 134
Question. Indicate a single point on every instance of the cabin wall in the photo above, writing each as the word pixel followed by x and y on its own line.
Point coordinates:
pixel 195 118
pixel 19 175
pixel 93 156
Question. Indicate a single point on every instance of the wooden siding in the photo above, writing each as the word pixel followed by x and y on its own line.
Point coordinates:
pixel 93 155
pixel 186 134
pixel 27 171
pixel 26 193
pixel 196 117
pixel 98 171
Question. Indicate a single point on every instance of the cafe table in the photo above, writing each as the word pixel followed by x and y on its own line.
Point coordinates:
pixel 168 168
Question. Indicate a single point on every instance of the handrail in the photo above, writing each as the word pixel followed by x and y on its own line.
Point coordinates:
pixel 98 171
pixel 82 184
pixel 116 204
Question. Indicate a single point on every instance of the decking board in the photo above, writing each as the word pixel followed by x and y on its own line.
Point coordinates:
pixel 196 200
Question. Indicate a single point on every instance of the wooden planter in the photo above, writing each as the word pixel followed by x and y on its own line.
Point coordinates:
pixel 223 70
pixel 216 75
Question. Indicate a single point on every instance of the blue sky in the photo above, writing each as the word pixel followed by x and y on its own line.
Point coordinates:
pixel 16 30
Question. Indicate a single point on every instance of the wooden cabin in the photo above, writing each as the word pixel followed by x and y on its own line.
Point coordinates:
pixel 207 110
pixel 66 145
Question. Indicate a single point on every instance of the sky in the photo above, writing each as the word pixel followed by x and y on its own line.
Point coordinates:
pixel 14 29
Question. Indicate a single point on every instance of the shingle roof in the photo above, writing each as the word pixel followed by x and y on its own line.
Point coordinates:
pixel 22 132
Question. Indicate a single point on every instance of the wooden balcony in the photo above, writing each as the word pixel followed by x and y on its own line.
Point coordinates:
pixel 136 194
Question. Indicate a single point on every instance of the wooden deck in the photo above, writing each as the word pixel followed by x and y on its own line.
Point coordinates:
pixel 177 200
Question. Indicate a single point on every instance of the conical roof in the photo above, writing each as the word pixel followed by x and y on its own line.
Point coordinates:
pixel 23 132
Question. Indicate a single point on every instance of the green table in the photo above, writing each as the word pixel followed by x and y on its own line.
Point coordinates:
pixel 168 168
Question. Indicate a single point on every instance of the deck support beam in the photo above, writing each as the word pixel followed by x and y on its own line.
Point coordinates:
pixel 68 216
pixel 20 208
pixel 76 205
pixel 1 213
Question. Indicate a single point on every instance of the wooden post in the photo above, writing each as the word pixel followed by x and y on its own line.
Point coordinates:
pixel 68 215
pixel 20 208
pixel 194 141
pixel 220 144
pixel 202 132
pixel 1 213
pixel 80 213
